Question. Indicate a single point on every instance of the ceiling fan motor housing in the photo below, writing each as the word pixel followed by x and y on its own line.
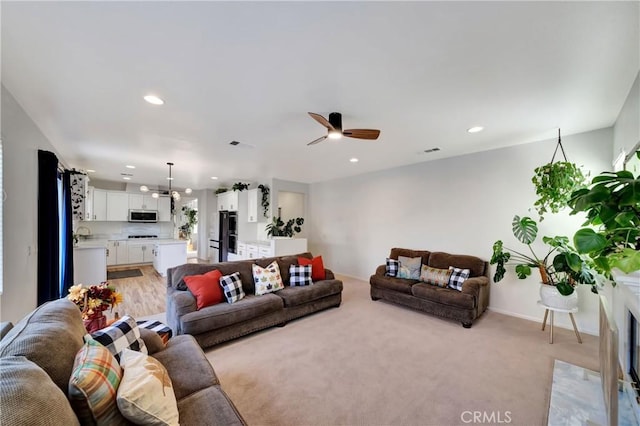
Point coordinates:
pixel 335 119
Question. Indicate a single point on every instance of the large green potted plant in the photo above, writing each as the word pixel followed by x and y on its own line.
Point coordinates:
pixel 561 267
pixel 611 236
pixel 280 228
pixel 191 218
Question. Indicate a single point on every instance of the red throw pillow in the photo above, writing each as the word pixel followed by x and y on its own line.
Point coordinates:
pixel 206 288
pixel 317 267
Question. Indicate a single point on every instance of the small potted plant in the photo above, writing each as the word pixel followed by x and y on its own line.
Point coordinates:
pixel 612 205
pixel 93 301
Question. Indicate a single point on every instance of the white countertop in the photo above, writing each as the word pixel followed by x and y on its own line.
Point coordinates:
pixel 91 244
pixel 168 241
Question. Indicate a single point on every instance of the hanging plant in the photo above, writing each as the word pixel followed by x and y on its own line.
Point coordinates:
pixel 239 186
pixel 265 199
pixel 555 182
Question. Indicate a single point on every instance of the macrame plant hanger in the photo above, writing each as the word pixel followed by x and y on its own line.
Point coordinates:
pixel 559 145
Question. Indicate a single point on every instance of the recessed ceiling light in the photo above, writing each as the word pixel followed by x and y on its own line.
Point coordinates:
pixel 214 177
pixel 90 171
pixel 152 99
pixel 130 167
pixel 353 160
pixel 475 129
pixel 126 178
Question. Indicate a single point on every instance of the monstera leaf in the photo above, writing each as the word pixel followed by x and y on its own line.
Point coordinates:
pixel 524 229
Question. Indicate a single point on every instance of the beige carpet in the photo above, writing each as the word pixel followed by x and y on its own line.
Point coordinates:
pixel 374 363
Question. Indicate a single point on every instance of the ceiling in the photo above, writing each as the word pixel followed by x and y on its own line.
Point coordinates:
pixel 421 72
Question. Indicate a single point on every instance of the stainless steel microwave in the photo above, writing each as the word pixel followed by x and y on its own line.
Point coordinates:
pixel 144 216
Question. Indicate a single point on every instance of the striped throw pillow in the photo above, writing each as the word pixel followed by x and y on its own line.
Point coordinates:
pixel 435 276
pixel 93 385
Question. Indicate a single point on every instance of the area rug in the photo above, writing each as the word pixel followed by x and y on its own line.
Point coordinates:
pixel 128 273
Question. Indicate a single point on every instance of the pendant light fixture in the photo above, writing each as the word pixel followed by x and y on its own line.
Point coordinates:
pixel 175 195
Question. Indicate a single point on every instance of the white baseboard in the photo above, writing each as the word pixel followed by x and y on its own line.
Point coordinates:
pixel 539 320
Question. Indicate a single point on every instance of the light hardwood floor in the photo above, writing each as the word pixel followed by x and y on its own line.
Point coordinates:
pixel 143 296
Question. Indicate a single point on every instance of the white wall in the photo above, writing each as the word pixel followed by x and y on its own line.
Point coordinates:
pixel 626 131
pixel 21 141
pixel 291 204
pixel 278 186
pixel 459 205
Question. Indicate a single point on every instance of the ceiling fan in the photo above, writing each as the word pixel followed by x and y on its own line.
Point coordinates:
pixel 334 127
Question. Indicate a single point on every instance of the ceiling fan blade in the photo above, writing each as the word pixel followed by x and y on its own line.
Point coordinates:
pixel 362 133
pixel 320 119
pixel 320 139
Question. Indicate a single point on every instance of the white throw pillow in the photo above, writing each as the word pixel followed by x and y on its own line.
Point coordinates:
pixel 267 280
pixel 145 395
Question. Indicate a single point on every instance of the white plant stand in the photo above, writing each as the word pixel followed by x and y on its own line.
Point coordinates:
pixel 553 310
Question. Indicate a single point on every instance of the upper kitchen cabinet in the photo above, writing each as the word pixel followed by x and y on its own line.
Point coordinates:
pixel 142 202
pixel 99 198
pixel 254 210
pixel 228 201
pixel 164 209
pixel 117 206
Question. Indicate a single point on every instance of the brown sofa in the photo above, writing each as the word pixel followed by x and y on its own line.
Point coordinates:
pixel 464 306
pixel 218 323
pixel 36 361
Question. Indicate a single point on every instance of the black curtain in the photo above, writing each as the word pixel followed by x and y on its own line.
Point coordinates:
pixel 48 228
pixel 66 275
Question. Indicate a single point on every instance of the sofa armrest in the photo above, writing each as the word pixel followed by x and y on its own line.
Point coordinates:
pixel 152 340
pixel 473 285
pixel 381 270
pixel 328 274
pixel 179 303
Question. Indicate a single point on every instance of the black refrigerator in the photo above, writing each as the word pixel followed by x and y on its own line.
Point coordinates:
pixel 228 234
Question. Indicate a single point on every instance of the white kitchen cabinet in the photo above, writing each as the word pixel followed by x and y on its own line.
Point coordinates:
pixel 99 204
pixel 164 209
pixel 142 202
pixel 140 252
pixel 252 251
pixel 241 251
pixel 89 265
pixel 254 208
pixel 117 206
pixel 169 255
pixel 265 251
pixel 117 252
pixel 88 203
pixel 228 201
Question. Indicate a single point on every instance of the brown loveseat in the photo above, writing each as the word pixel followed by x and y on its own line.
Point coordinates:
pixel 464 306
pixel 36 361
pixel 218 323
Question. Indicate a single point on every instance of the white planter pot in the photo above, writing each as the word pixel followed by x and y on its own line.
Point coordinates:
pixel 550 296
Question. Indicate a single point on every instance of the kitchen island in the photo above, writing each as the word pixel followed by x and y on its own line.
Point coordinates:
pixel 169 253
pixel 90 262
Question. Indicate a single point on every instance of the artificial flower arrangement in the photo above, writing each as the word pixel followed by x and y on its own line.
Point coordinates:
pixel 94 300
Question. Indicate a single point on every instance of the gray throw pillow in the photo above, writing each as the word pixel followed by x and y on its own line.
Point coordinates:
pixel 413 264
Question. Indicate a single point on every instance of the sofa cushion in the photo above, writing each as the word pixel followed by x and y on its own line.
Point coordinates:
pixel 397 252
pixel 300 275
pixel 445 296
pixel 267 279
pixel 188 368
pixel 30 397
pixel 458 277
pixel 50 336
pixel 392 283
pixel 122 334
pixel 145 394
pixel 435 276
pixel 232 287
pixel 317 267
pixel 208 406
pixel 93 385
pixel 294 296
pixel 444 260
pixel 205 288
pixel 243 267
pixel 225 314
pixel 391 267
pixel 412 264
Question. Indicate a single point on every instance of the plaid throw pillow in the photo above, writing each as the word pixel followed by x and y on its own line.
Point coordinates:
pixel 392 267
pixel 458 276
pixel 300 275
pixel 122 334
pixel 232 287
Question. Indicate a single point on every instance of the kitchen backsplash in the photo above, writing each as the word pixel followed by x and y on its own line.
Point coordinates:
pixel 161 229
